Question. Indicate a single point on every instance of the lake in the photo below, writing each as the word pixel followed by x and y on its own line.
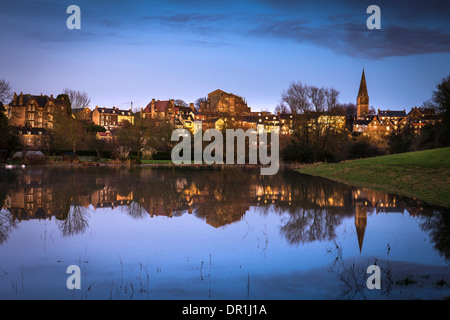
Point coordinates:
pixel 218 233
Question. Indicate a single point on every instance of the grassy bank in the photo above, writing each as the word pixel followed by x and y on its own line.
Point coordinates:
pixel 422 174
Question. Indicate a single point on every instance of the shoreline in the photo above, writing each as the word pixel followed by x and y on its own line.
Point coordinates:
pixel 164 164
pixel 423 175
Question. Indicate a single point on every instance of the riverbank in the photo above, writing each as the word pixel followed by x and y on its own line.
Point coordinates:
pixel 423 175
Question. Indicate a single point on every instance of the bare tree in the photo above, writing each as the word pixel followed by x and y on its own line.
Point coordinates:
pixel 180 103
pixel 78 99
pixel 331 99
pixel 318 97
pixel 282 108
pixel 5 91
pixel 199 101
pixel 297 98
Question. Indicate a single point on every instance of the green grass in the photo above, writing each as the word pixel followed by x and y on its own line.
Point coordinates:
pixel 422 174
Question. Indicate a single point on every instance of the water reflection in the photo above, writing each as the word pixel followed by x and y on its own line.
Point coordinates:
pixel 315 207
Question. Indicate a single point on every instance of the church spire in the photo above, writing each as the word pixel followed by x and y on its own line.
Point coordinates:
pixel 363 86
pixel 362 101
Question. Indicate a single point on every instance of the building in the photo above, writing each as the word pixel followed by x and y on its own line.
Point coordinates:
pixel 421 117
pixel 393 116
pixel 287 123
pixel 159 109
pixel 268 122
pixel 199 116
pixel 125 116
pixel 220 101
pixel 327 123
pixel 26 110
pixel 384 123
pixel 84 114
pixel 32 138
pixel 111 118
pixel 105 136
pixel 247 122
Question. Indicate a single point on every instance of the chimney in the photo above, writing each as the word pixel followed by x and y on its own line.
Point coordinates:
pixel 51 96
pixel 21 98
pixel 192 106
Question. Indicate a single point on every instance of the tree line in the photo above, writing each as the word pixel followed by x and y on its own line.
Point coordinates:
pixel 321 143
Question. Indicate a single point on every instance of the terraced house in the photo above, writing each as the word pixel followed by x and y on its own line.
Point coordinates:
pixel 111 118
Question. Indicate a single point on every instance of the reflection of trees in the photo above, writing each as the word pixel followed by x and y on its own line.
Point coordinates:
pixel 438 227
pixel 6 225
pixel 310 225
pixel 76 221
pixel 135 210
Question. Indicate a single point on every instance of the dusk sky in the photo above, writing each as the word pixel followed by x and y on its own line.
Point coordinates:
pixel 133 51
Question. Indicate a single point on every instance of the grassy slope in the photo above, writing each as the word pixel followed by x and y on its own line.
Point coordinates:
pixel 422 174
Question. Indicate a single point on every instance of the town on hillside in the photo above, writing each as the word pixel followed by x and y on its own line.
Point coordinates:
pixel 34 119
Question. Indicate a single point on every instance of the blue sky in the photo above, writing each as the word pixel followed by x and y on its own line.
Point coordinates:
pixel 138 50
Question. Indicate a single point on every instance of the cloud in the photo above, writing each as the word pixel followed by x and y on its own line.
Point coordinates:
pixel 186 18
pixel 353 38
pixel 110 23
pixel 343 33
pixel 408 28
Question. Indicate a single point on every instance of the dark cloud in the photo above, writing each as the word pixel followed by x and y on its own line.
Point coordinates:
pixel 343 33
pixel 408 27
pixel 353 38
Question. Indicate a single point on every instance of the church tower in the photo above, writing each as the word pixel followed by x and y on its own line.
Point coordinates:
pixel 362 101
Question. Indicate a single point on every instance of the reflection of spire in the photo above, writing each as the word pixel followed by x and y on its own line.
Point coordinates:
pixel 360 223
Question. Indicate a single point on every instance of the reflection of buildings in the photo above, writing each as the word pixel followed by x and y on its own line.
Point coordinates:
pixel 218 202
pixel 31 203
pixel 367 201
pixel 109 198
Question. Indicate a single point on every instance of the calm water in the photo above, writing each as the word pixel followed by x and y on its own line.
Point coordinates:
pixel 178 233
